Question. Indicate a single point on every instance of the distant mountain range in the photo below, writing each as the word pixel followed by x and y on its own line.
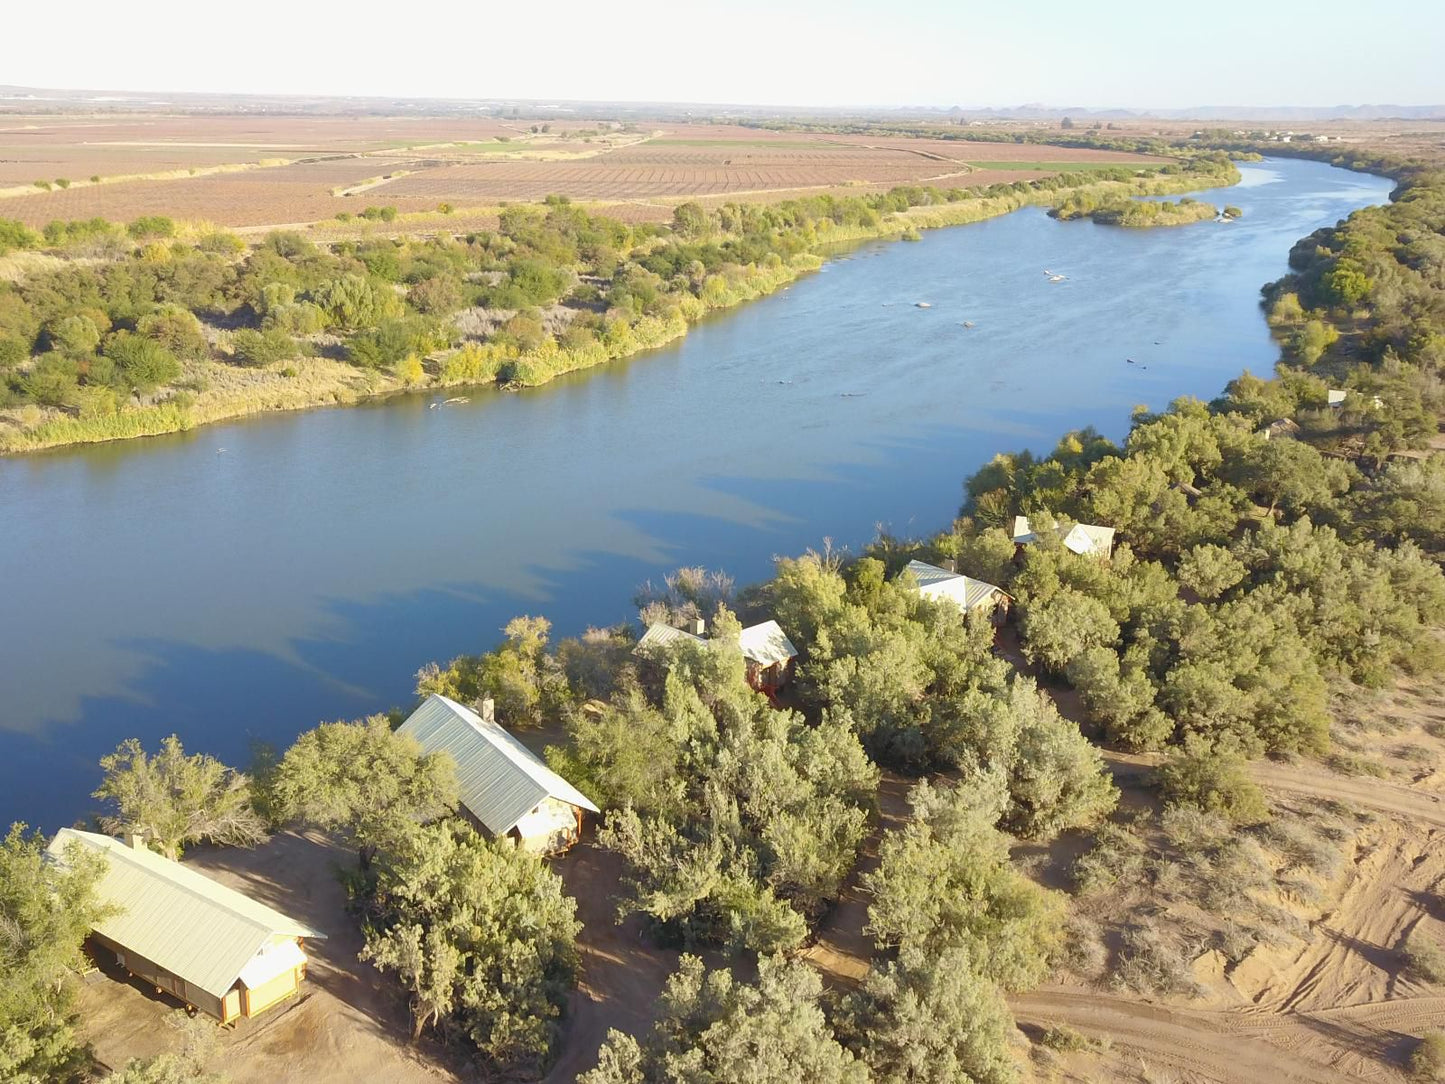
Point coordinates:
pixel 35 99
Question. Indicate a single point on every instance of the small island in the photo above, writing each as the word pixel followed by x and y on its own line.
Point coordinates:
pixel 1139 213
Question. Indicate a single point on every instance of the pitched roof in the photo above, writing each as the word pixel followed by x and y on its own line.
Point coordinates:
pixel 1082 538
pixel 178 918
pixel 766 644
pixel 660 635
pixel 498 778
pixel 935 582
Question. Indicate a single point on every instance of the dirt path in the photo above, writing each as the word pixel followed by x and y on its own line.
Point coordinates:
pixel 842 950
pixel 623 972
pixel 1205 1046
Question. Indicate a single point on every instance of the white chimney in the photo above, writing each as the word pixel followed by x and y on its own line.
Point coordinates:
pixel 697 626
pixel 948 564
pixel 489 709
pixel 135 841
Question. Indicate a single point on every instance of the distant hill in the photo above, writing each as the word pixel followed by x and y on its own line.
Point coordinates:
pixel 15 99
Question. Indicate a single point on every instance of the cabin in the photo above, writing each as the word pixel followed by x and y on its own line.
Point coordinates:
pixel 1085 539
pixel 1280 428
pixel 970 595
pixel 502 785
pixel 213 948
pixel 769 656
pixel 767 652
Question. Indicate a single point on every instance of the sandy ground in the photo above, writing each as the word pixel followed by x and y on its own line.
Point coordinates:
pixel 348 1022
pixel 1334 1006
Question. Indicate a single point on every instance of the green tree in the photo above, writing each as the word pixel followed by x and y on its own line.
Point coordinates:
pixel 362 779
pixel 713 1028
pixel 482 935
pixel 46 912
pixel 176 329
pixel 944 880
pixel 1214 779
pixel 141 363
pixel 173 799
pixel 925 1019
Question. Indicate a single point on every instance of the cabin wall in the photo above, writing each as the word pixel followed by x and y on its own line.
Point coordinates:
pixel 269 992
pixel 553 826
pixel 153 973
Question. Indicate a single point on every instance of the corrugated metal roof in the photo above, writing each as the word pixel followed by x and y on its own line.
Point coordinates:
pixel 664 636
pixel 173 916
pixel 498 778
pixel 766 644
pixel 935 583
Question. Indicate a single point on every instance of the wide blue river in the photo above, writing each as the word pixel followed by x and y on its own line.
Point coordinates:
pixel 244 581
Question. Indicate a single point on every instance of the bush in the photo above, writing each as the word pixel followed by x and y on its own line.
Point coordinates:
pixel 14 235
pixel 141 363
pixel 1427 1061
pixel 150 227
pixel 1424 957
pixel 1214 780
pixel 259 348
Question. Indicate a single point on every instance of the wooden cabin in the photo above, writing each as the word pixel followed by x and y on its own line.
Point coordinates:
pixel 767 652
pixel 210 947
pixel 502 785
pixel 769 656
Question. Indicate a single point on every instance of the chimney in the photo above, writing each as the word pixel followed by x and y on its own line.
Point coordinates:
pixel 135 841
pixel 948 564
pixel 489 710
pixel 697 626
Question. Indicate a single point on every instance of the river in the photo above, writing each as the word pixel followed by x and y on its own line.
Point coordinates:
pixel 241 582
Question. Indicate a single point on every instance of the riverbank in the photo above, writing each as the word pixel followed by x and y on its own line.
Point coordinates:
pixel 213 391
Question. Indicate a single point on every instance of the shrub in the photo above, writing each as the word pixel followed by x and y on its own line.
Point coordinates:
pixel 14 234
pixel 148 227
pixel 1215 780
pixel 1424 957
pixel 141 363
pixel 258 348
pixel 1427 1061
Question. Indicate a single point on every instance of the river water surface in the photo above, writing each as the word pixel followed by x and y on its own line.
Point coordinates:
pixel 246 580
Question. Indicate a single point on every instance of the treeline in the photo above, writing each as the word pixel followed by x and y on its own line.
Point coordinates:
pixel 133 316
pixel 1135 213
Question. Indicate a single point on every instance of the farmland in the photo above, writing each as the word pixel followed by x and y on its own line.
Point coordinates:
pixel 258 172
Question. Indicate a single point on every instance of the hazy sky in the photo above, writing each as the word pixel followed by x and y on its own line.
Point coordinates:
pixel 768 52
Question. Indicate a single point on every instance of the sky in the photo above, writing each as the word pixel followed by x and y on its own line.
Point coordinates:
pixel 1100 53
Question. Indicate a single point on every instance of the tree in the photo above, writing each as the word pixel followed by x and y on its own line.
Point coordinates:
pixel 1214 779
pixel 1057 780
pixel 46 912
pixel 176 329
pixel 1065 625
pixel 521 676
pixel 362 779
pixel 713 1028
pixel 173 799
pixel 944 880
pixel 142 363
pixel 482 935
pixel 924 1019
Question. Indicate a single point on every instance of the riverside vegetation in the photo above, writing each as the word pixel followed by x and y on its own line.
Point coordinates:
pixel 1259 578
pixel 109 332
